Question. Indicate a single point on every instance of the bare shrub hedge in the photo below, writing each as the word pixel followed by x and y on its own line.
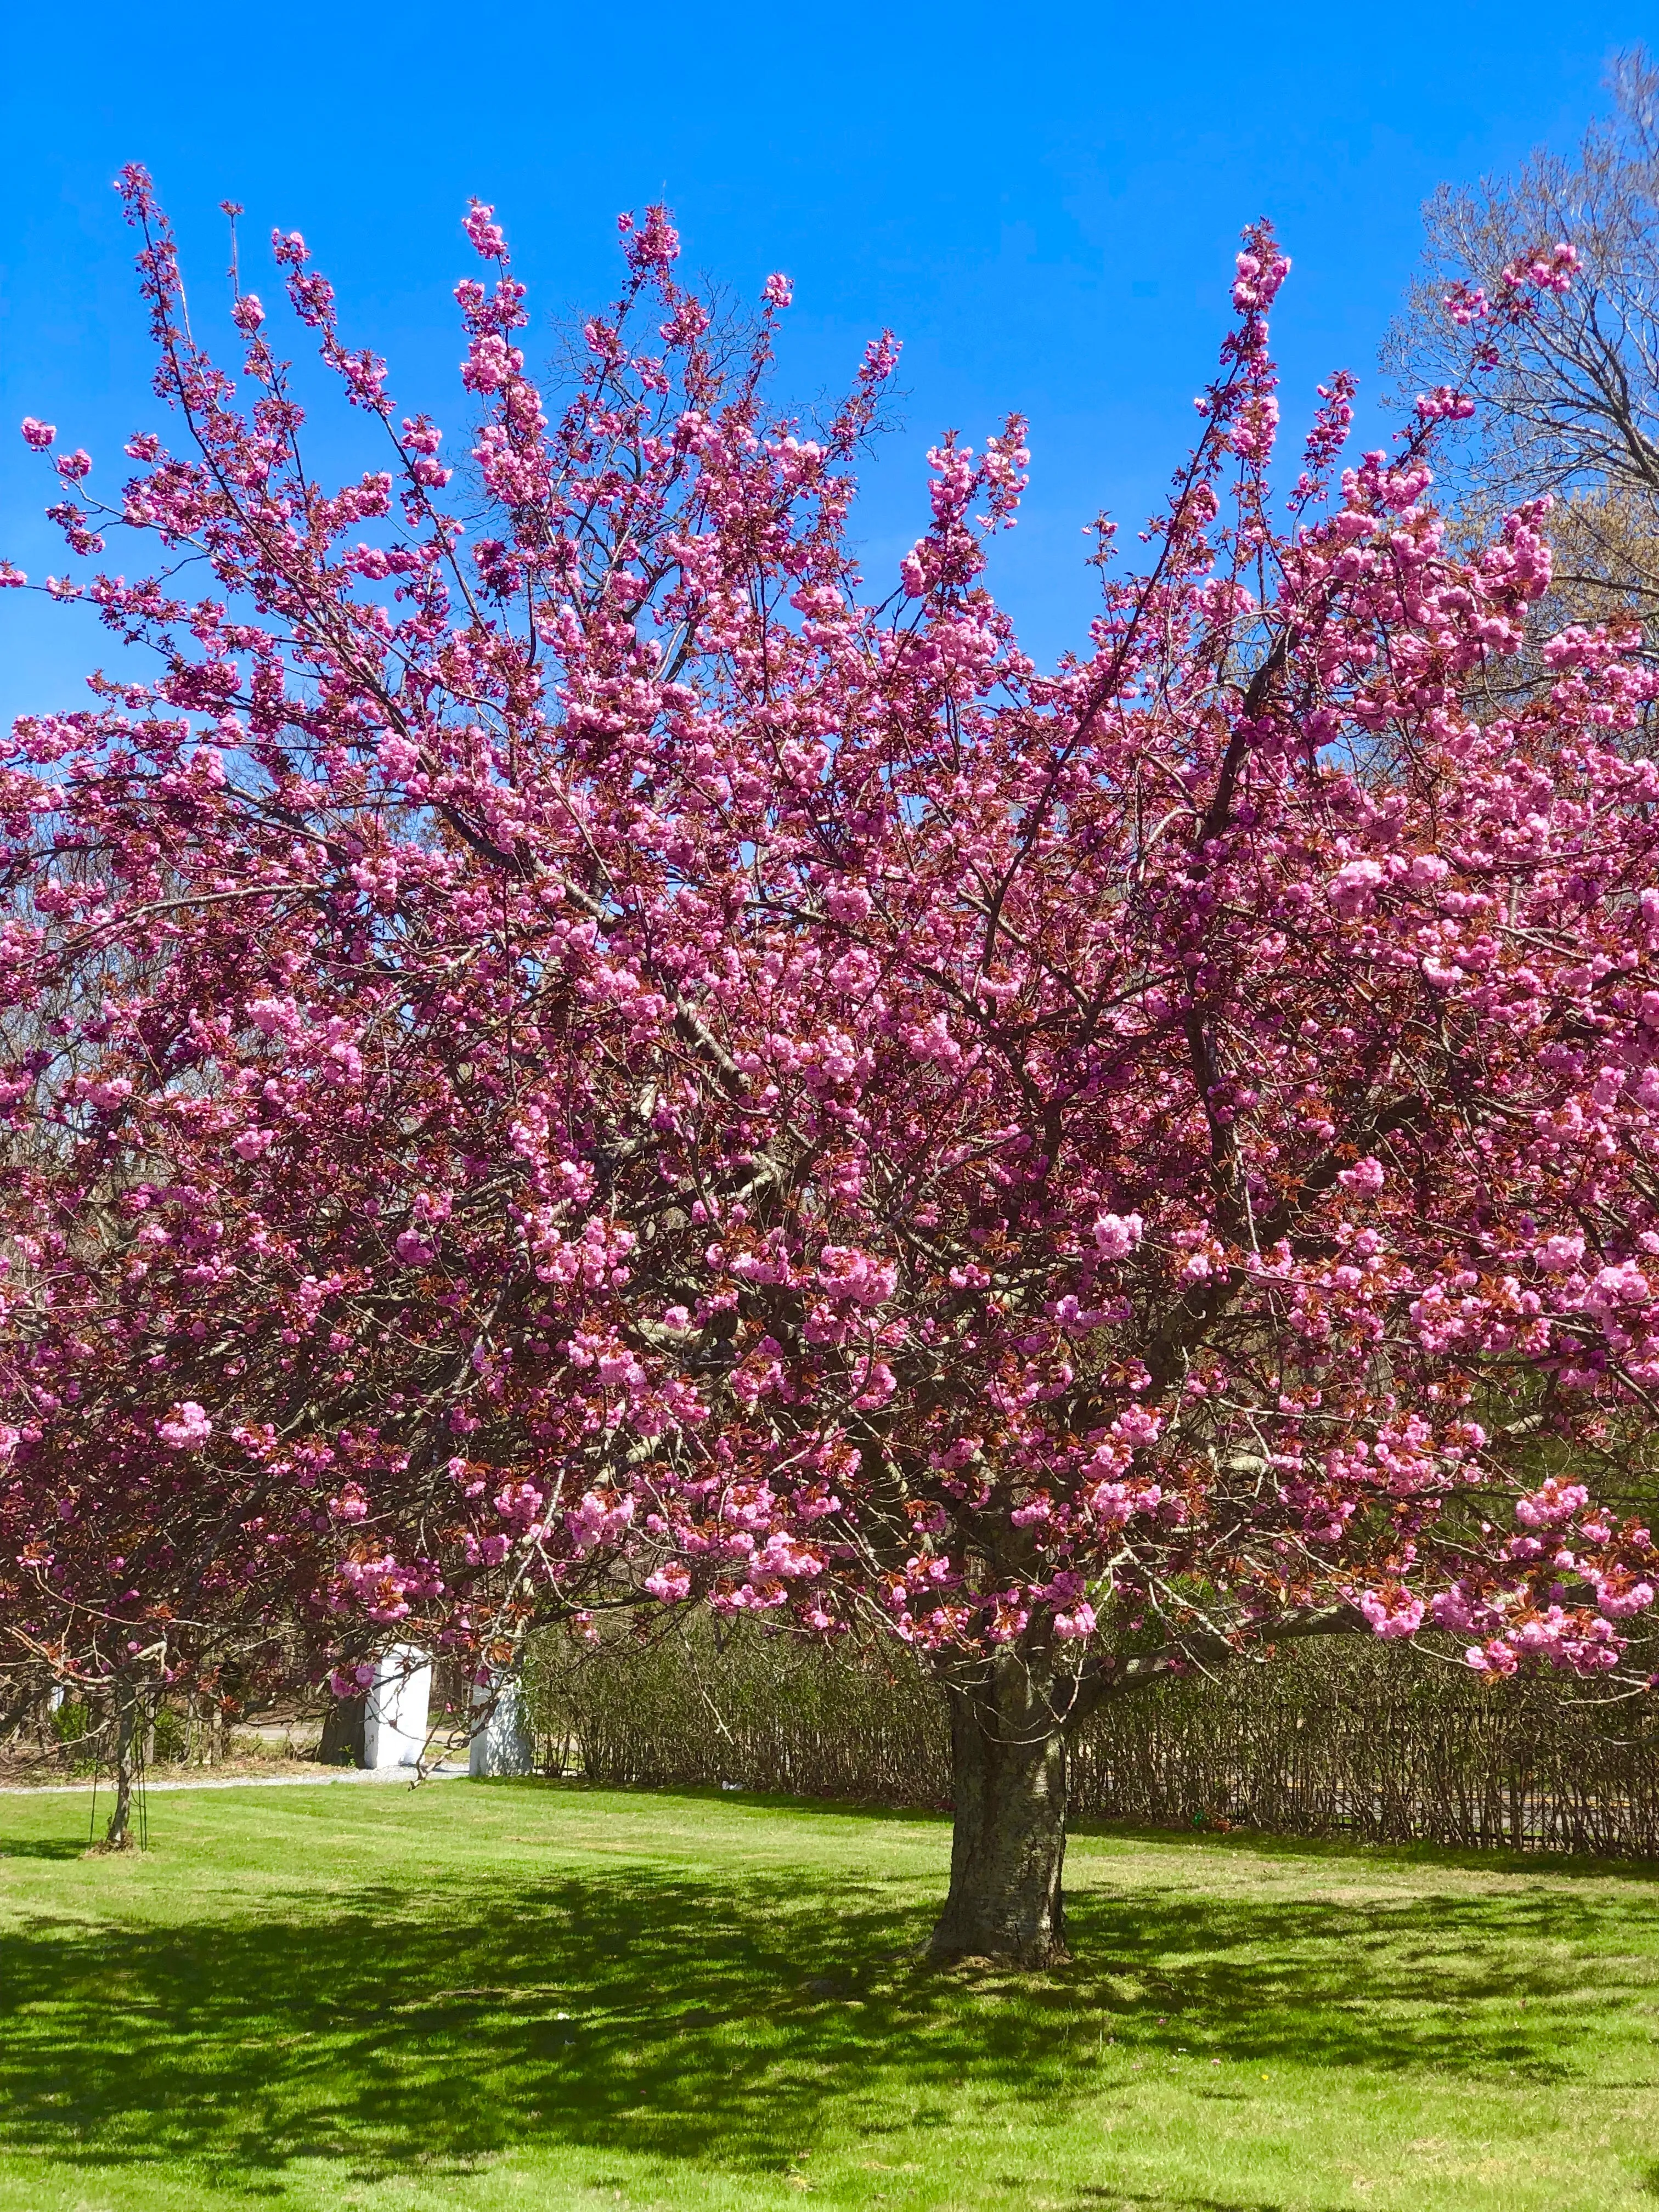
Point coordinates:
pixel 1377 1746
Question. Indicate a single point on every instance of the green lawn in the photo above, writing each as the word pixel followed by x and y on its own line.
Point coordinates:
pixel 497 1995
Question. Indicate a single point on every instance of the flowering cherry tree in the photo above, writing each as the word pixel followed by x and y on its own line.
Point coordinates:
pixel 564 1052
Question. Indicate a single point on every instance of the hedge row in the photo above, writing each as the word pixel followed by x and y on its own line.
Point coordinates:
pixel 1358 1742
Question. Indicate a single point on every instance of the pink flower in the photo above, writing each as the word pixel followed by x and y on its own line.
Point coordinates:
pixel 520 1503
pixel 787 1556
pixel 1352 889
pixel 848 902
pixel 1558 1256
pixel 38 434
pixel 1553 1503
pixel 1616 1603
pixel 1364 1176
pixel 778 290
pixel 602 1518
pixel 846 1273
pixel 1117 1235
pixel 186 1427
pixel 1392 1612
pixel 485 234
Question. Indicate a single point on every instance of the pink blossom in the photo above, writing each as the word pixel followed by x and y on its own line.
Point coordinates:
pixel 1620 1604
pixel 1352 889
pixel 187 1428
pixel 1363 1177
pixel 1559 1256
pixel 1117 1235
pixel 1392 1612
pixel 1556 1501
pixel 601 1518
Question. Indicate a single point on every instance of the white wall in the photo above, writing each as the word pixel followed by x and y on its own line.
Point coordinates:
pixel 395 1716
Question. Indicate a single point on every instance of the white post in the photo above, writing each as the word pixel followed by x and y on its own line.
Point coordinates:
pixel 501 1742
pixel 394 1716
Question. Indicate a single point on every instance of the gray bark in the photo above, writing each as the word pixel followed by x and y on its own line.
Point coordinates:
pixel 344 1723
pixel 1008 1843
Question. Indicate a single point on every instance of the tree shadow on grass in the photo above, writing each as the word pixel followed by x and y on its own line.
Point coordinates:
pixel 1119 2200
pixel 1243 1842
pixel 713 2021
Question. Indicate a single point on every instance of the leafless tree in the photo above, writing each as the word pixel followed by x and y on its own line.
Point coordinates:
pixel 1570 392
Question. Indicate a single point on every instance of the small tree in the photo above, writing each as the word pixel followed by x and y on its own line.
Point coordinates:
pixel 602 1066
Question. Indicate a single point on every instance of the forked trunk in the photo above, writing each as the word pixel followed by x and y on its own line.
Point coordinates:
pixel 1008 1845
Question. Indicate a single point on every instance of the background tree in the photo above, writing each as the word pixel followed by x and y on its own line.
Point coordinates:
pixel 176 1596
pixel 640 1071
pixel 1569 390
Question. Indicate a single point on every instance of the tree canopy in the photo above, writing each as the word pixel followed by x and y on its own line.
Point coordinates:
pixel 566 1051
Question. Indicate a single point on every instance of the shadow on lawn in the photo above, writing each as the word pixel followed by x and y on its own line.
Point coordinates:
pixel 701 2020
pixel 33 1847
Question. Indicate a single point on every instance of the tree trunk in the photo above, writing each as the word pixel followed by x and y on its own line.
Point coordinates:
pixel 343 1739
pixel 129 1724
pixel 1008 1770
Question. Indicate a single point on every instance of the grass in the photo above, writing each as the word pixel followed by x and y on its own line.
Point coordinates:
pixel 489 1996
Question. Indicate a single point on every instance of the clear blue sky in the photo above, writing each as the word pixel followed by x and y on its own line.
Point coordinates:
pixel 1043 203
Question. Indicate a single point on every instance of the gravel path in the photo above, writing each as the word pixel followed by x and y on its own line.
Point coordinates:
pixel 442 1772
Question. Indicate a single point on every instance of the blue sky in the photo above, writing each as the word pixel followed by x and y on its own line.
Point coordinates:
pixel 1043 204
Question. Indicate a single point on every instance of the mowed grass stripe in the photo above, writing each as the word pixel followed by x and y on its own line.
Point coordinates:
pixel 535 1995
